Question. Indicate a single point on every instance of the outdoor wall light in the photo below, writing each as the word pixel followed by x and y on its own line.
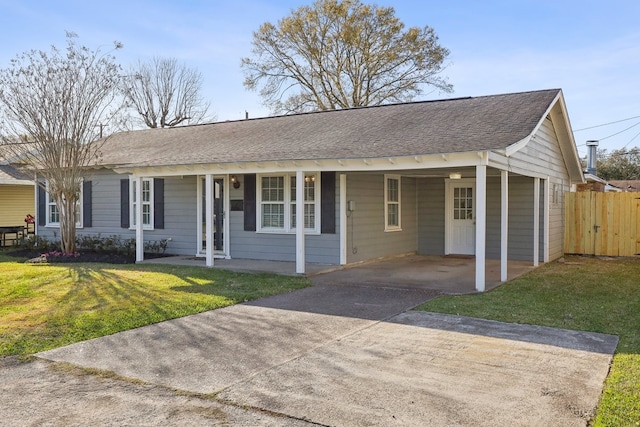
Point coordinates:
pixel 311 178
pixel 455 175
pixel 235 182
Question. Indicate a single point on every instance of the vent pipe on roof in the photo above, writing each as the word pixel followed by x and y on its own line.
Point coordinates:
pixel 246 115
pixel 592 145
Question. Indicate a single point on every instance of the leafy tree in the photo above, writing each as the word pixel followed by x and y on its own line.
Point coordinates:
pixel 620 164
pixel 165 93
pixel 340 54
pixel 55 102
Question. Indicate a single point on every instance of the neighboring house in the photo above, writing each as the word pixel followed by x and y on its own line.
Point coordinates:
pixel 17 199
pixel 629 185
pixel 482 176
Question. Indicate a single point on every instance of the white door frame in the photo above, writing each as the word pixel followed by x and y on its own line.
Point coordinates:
pixel 226 209
pixel 449 184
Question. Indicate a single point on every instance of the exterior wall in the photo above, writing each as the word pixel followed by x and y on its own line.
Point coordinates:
pixel 520 231
pixel 319 248
pixel 431 216
pixel 366 238
pixel 179 213
pixel 543 151
pixel 16 201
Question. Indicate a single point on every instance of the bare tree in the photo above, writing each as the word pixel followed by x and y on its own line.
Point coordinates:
pixel 165 93
pixel 341 54
pixel 56 101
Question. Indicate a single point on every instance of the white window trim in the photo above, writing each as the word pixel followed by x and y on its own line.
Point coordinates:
pixel 132 211
pixel 49 203
pixel 287 229
pixel 388 227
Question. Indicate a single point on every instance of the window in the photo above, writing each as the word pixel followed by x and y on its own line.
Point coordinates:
pixel 392 209
pixel 147 203
pixel 53 211
pixel 309 202
pixel 278 204
pixel 463 203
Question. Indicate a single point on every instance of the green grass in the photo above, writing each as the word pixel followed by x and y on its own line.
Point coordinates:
pixel 590 294
pixel 48 306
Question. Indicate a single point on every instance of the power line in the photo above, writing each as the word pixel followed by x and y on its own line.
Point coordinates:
pixel 618 133
pixel 606 124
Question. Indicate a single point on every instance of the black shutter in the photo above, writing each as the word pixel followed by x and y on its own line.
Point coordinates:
pixel 86 204
pixel 328 202
pixel 124 203
pixel 250 202
pixel 42 206
pixel 158 203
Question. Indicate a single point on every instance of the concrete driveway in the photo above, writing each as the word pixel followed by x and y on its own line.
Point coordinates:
pixel 354 356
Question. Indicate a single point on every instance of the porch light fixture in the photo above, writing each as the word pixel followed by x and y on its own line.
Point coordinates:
pixel 311 178
pixel 235 182
pixel 455 175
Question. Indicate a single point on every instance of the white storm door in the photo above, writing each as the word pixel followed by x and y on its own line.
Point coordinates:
pixel 461 224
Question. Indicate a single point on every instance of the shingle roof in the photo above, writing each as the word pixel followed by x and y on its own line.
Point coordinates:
pixel 397 130
pixel 11 175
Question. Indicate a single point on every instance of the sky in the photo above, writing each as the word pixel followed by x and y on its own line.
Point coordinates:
pixel 589 49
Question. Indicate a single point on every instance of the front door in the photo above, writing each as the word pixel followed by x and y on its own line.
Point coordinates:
pixel 461 224
pixel 217 219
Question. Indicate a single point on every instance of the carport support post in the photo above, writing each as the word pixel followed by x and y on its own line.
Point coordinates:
pixel 208 201
pixel 545 221
pixel 138 215
pixel 343 219
pixel 300 257
pixel 536 222
pixel 504 224
pixel 481 225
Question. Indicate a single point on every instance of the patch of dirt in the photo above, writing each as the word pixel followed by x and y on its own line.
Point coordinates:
pixel 45 393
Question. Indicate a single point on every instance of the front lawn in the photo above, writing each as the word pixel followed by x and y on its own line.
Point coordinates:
pixel 47 306
pixel 583 293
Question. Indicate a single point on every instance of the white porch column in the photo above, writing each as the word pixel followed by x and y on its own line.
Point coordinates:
pixel 545 220
pixel 227 215
pixel 343 219
pixel 208 201
pixel 536 222
pixel 504 224
pixel 481 225
pixel 300 256
pixel 138 216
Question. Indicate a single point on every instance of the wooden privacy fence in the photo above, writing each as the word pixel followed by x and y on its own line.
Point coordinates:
pixel 602 223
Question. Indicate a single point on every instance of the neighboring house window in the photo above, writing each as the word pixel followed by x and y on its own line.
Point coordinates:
pixel 147 202
pixel 277 203
pixel 392 208
pixel 53 212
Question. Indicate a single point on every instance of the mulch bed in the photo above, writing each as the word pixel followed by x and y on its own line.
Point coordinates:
pixel 36 257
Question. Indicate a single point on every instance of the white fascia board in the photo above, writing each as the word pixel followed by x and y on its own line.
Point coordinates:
pixel 435 161
pixel 517 146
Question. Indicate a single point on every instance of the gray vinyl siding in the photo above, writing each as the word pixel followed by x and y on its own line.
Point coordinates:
pixel 179 213
pixel 366 236
pixel 543 151
pixel 431 219
pixel 521 215
pixel 322 248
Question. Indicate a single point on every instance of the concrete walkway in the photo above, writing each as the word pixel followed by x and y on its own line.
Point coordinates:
pixel 350 356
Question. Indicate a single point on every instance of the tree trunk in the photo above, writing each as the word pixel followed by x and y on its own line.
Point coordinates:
pixel 68 223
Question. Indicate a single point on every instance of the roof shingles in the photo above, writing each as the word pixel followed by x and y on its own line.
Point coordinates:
pixel 409 129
